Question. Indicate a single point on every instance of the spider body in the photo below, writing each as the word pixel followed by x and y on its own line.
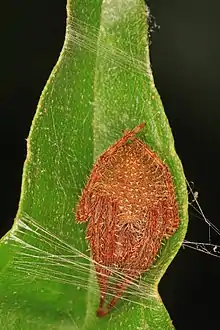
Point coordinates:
pixel 129 203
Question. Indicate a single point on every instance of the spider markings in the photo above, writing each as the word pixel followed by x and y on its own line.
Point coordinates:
pixel 129 203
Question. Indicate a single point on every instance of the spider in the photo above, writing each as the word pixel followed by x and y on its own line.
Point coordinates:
pixel 130 206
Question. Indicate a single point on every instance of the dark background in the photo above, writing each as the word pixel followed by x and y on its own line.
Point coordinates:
pixel 185 55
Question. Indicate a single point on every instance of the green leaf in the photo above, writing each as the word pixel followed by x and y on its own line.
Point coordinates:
pixel 101 85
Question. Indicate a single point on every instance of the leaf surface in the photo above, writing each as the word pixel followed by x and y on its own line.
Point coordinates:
pixel 101 85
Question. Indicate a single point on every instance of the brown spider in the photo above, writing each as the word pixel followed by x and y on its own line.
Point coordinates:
pixel 129 203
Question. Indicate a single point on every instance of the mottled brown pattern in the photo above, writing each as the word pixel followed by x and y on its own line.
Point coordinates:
pixel 129 203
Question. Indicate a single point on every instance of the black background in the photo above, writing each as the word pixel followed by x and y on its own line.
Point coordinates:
pixel 185 57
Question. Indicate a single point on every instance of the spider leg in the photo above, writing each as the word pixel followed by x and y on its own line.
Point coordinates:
pixel 170 213
pixel 96 239
pixel 100 233
pixel 120 288
pixel 103 275
pixel 101 230
pixel 83 208
pixel 118 292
